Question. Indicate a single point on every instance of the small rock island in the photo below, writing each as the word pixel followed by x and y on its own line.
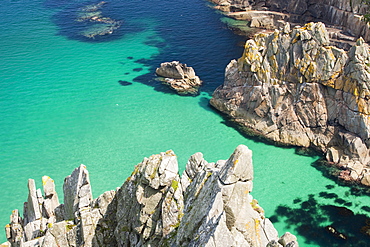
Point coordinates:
pixel 209 205
pixel 179 77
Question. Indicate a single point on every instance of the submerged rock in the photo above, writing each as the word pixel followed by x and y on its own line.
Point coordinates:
pixel 210 205
pixel 179 77
pixel 96 24
pixel 293 88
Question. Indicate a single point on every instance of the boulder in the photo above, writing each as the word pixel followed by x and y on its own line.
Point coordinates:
pixel 179 77
pixel 288 239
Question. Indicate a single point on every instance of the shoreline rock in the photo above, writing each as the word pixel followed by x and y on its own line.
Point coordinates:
pixel 179 77
pixel 293 88
pixel 344 17
pixel 209 205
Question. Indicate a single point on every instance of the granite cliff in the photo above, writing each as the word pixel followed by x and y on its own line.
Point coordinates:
pixel 344 15
pixel 293 88
pixel 209 205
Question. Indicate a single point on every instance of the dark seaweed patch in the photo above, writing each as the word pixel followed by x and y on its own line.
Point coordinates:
pixel 328 195
pixel 329 186
pixel 366 208
pixel 325 224
pixel 297 200
pixel 124 83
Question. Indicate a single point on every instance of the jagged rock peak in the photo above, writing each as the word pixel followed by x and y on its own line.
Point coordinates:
pixel 293 88
pixel 77 192
pixel 238 167
pixel 154 208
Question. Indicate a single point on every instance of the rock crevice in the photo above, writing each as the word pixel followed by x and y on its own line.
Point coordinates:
pixel 343 16
pixel 293 88
pixel 210 205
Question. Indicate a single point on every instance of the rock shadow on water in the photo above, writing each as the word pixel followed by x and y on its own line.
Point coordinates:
pixel 325 224
pixel 124 83
pixel 332 172
pixel 149 78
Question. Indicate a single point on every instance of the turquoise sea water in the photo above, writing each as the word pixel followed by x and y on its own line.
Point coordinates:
pixel 61 105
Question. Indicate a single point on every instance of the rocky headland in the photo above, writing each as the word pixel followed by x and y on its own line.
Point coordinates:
pixel 209 205
pixel 344 17
pixel 179 77
pixel 293 88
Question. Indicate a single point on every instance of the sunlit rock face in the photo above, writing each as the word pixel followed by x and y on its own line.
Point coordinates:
pixel 269 14
pixel 179 77
pixel 293 88
pixel 209 205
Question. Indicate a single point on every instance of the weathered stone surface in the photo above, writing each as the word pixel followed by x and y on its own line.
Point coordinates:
pixel 77 192
pixel 293 88
pixel 238 167
pixel 33 207
pixel 195 164
pixel 51 200
pixel 153 208
pixel 150 202
pixel 224 214
pixel 346 15
pixel 179 77
pixel 288 239
pixel 14 230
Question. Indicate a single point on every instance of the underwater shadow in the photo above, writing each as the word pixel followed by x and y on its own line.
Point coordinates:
pixel 332 172
pixel 249 133
pixel 124 83
pixel 79 20
pixel 325 224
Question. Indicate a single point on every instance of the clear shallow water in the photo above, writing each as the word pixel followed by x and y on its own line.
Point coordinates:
pixel 61 105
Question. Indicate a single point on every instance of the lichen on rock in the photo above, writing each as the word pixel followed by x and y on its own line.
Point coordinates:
pixel 153 208
pixel 293 88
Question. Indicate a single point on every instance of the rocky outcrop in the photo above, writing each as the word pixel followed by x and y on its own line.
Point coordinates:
pixel 210 205
pixel 179 77
pixel 345 15
pixel 293 88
